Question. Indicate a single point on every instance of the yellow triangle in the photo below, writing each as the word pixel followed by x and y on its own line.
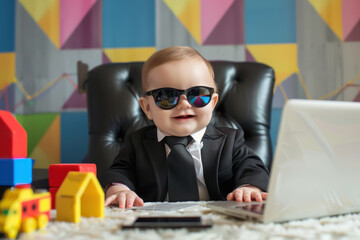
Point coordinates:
pixel 282 57
pixel 176 6
pixel 48 149
pixel 330 11
pixel 49 23
pixel 7 69
pixel 37 8
pixel 129 54
pixel 190 17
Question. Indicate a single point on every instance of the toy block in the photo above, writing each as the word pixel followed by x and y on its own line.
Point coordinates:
pixel 58 172
pixel 14 171
pixel 13 137
pixel 80 194
pixel 53 192
pixel 20 186
pixel 23 211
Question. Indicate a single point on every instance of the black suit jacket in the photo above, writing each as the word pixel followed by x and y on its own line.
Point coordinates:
pixel 227 163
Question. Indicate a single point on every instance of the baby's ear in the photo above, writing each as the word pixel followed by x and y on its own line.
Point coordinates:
pixel 215 98
pixel 144 104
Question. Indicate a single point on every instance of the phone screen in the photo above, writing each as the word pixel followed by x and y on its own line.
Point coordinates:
pixel 169 222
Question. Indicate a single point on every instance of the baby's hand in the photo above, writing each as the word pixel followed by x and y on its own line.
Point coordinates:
pixel 247 194
pixel 123 197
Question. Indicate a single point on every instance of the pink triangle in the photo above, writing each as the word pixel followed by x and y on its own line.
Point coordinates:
pixel 211 13
pixel 354 35
pixel 230 28
pixel 105 58
pixel 357 97
pixel 87 34
pixel 350 15
pixel 71 14
pixel 76 101
pixel 198 101
pixel 248 56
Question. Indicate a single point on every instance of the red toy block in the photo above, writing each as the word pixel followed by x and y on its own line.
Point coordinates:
pixel 13 137
pixel 58 172
pixel 53 192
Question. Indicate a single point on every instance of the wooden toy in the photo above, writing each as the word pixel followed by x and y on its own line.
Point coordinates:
pixel 53 192
pixel 13 137
pixel 15 168
pixel 58 172
pixel 15 171
pixel 80 194
pixel 21 210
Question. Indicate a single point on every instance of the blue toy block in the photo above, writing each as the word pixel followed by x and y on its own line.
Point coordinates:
pixel 14 171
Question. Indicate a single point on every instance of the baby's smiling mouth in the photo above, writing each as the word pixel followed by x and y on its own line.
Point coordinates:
pixel 184 117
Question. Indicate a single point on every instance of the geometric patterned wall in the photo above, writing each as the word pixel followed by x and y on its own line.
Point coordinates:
pixel 313 45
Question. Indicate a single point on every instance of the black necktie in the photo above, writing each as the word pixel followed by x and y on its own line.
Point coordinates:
pixel 182 181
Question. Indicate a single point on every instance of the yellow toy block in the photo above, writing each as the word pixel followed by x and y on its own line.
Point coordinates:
pixel 80 194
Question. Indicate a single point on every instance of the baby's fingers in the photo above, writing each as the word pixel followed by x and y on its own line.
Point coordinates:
pixel 256 196
pixel 139 202
pixel 109 200
pixel 130 200
pixel 248 195
pixel 264 195
pixel 230 196
pixel 239 195
pixel 121 199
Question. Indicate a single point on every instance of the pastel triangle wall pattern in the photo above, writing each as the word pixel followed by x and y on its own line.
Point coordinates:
pixel 37 8
pixel 212 12
pixel 49 23
pixel 87 33
pixel 350 16
pixel 230 29
pixel 47 151
pixel 331 13
pixel 71 14
pixel 76 101
pixel 354 34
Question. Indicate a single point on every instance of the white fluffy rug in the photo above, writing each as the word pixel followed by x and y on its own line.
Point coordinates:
pixel 339 227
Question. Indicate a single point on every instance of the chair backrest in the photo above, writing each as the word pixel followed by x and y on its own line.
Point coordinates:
pixel 113 91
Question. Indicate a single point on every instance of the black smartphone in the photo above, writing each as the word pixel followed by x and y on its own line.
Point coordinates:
pixel 169 222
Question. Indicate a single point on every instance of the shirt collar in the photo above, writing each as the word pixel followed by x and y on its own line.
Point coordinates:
pixel 197 136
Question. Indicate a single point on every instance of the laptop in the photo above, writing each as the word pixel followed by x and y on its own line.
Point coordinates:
pixel 316 166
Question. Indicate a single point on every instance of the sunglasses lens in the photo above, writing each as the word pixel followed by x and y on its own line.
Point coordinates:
pixel 166 98
pixel 199 96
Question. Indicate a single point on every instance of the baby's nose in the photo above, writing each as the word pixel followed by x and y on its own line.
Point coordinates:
pixel 183 101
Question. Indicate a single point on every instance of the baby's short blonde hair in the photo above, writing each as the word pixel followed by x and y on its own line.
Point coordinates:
pixel 172 54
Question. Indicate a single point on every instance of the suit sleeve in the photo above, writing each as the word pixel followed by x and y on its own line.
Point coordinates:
pixel 248 168
pixel 123 168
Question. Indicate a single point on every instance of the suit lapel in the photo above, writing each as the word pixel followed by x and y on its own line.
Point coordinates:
pixel 213 142
pixel 157 156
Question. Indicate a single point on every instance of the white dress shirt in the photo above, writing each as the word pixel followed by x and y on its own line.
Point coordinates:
pixel 194 148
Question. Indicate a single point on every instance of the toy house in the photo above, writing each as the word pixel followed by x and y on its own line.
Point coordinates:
pixel 58 172
pixel 80 194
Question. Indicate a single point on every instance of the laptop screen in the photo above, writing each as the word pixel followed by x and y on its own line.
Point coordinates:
pixel 316 161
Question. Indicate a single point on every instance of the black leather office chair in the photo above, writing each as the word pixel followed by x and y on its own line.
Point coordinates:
pixel 113 90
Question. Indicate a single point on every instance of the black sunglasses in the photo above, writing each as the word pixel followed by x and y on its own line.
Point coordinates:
pixel 168 98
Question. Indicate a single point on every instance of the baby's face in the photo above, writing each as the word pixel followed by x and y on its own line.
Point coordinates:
pixel 184 119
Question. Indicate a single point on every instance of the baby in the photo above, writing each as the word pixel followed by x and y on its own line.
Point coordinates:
pixel 179 95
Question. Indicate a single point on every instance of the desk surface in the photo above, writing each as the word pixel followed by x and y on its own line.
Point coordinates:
pixel 337 227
